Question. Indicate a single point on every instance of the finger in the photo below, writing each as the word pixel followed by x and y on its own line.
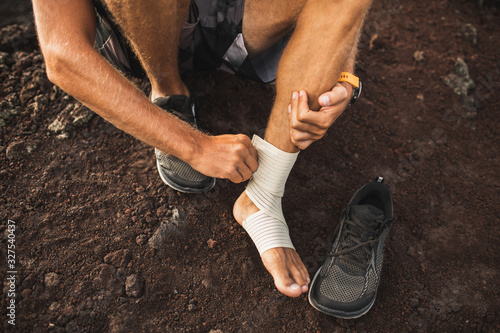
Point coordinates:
pixel 251 163
pixel 298 136
pixel 303 106
pixel 337 95
pixel 305 115
pixel 302 143
pixel 236 177
pixel 245 172
pixel 255 156
pixel 248 143
pixel 323 118
pixel 307 128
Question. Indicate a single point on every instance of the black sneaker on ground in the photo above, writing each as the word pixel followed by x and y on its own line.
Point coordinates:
pixel 174 172
pixel 346 285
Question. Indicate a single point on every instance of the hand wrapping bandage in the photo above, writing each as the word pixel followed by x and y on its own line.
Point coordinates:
pixel 268 228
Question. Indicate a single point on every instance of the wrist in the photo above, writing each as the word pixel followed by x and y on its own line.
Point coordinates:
pixel 354 82
pixel 195 148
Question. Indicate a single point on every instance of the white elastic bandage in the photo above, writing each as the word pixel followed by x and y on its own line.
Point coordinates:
pixel 268 228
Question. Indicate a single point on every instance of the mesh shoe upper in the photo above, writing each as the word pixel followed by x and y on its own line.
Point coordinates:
pixel 347 283
pixel 174 172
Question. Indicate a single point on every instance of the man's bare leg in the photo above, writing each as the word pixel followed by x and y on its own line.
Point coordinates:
pixel 153 29
pixel 323 39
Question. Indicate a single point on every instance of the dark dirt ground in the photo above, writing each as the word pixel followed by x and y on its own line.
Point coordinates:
pixel 86 197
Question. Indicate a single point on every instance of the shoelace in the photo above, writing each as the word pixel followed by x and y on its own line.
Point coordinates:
pixel 353 233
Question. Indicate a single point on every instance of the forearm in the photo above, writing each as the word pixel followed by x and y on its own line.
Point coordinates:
pixel 87 76
pixel 66 33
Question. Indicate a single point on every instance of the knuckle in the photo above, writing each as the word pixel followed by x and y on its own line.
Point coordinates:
pixel 300 116
pixel 324 126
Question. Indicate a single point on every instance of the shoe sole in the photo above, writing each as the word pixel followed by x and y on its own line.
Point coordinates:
pixel 180 188
pixel 336 313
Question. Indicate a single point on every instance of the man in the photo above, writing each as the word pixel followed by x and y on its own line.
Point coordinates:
pixel 318 39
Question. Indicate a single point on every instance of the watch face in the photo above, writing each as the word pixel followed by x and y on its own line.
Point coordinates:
pixel 356 93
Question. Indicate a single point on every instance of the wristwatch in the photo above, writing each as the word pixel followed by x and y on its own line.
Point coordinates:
pixel 354 81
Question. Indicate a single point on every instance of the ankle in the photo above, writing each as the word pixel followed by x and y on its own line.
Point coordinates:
pixel 164 91
pixel 243 208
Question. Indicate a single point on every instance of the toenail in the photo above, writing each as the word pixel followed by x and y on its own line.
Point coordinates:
pixel 294 286
pixel 308 280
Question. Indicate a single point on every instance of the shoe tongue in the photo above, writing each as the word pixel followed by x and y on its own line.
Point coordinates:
pixel 179 103
pixel 369 214
pixel 370 217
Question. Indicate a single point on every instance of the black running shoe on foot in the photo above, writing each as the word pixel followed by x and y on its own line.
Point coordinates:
pixel 174 172
pixel 346 285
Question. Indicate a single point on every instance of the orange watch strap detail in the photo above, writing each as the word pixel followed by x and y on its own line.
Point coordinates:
pixel 352 79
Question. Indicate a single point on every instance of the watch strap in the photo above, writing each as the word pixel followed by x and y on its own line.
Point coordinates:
pixel 352 79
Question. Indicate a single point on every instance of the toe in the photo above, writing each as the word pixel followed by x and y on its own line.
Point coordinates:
pixel 288 276
pixel 300 272
pixel 286 285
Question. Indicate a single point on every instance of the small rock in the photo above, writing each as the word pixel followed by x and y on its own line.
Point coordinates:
pixel 38 105
pixel 419 56
pixel 118 258
pixel 62 136
pixel 206 283
pixel 211 243
pixel 215 331
pixel 51 279
pixel 420 96
pixel 107 280
pixel 160 236
pixel 105 273
pixel 460 80
pixel 134 285
pixel 81 115
pixel 56 126
pixel 469 33
pixel 176 216
pixel 166 230
pixel 72 116
pixel 19 149
pixel 376 43
pixel 54 306
pixel 192 307
pixel 141 239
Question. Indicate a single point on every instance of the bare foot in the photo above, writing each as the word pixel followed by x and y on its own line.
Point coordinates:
pixel 289 273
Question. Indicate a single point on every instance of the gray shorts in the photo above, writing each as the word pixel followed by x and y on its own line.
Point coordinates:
pixel 211 38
